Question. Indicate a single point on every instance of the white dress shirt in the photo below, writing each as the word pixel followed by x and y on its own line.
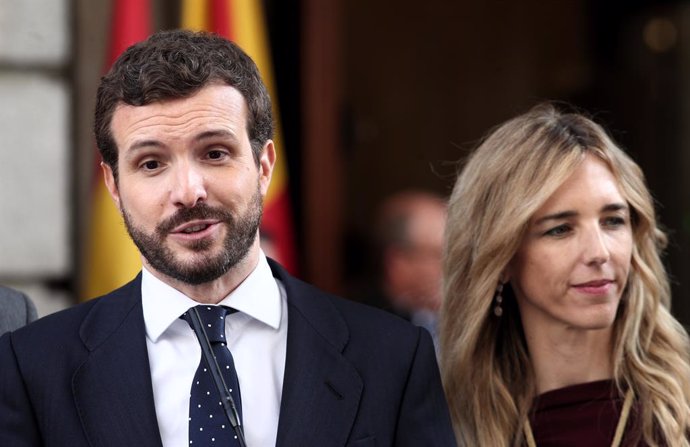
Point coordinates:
pixel 256 335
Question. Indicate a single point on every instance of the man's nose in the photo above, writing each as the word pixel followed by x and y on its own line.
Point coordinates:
pixel 189 186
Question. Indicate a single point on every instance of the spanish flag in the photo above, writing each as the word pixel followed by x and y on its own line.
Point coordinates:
pixel 110 258
pixel 242 21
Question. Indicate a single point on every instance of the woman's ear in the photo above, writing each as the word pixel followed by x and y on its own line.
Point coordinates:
pixel 506 274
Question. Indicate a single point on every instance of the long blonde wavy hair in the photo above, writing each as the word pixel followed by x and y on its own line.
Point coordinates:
pixel 485 364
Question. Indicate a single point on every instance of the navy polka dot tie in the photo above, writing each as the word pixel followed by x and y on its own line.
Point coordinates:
pixel 208 424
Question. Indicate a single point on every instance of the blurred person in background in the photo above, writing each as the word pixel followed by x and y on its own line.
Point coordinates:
pixel 556 326
pixel 409 240
pixel 16 310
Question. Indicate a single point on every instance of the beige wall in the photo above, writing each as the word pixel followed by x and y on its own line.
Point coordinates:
pixel 35 148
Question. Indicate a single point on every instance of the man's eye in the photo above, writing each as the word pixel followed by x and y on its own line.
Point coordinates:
pixel 216 155
pixel 150 165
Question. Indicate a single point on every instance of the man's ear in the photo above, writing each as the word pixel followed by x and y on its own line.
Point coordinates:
pixel 267 162
pixel 111 184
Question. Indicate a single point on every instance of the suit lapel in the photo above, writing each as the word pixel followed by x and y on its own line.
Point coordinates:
pixel 112 388
pixel 321 388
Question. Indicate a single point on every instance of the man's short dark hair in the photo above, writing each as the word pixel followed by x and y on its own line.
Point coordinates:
pixel 177 64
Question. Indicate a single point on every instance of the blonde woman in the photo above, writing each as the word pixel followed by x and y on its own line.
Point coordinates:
pixel 556 327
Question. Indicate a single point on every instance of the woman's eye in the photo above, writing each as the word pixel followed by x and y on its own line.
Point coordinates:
pixel 614 221
pixel 558 231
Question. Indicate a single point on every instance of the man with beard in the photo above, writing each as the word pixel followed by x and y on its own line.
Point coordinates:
pixel 213 343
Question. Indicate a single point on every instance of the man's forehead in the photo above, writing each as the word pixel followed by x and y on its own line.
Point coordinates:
pixel 218 107
pixel 213 93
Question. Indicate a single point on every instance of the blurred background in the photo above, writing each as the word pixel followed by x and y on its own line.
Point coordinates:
pixel 375 97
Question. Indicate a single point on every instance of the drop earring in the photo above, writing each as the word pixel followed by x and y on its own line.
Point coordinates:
pixel 498 299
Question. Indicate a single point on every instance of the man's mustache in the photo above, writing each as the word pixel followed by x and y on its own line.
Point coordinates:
pixel 184 215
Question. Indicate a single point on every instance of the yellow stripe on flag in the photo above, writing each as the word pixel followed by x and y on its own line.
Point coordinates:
pixel 195 15
pixel 112 259
pixel 249 28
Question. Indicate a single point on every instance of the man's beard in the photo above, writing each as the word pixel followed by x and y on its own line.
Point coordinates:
pixel 241 234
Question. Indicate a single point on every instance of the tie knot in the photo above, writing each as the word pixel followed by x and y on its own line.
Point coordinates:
pixel 212 319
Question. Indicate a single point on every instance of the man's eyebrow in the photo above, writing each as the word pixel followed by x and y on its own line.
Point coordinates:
pixel 221 133
pixel 141 144
pixel 209 134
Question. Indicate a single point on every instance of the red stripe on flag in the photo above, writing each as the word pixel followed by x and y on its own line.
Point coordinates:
pixel 276 227
pixel 220 18
pixel 131 24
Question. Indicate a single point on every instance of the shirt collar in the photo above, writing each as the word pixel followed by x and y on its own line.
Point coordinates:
pixel 257 296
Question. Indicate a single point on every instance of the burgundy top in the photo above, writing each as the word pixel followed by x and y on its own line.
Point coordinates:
pixel 581 415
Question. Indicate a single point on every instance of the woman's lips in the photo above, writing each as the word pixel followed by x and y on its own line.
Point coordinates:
pixel 595 287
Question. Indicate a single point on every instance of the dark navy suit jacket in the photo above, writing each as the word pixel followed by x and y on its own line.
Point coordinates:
pixel 354 376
